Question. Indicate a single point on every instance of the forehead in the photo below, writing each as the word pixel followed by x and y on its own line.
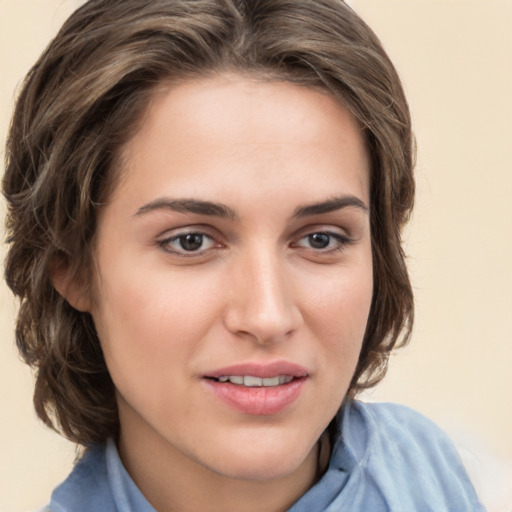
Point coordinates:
pixel 235 128
pixel 244 103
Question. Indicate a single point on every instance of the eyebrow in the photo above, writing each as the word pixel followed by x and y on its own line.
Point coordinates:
pixel 330 205
pixel 188 206
pixel 220 210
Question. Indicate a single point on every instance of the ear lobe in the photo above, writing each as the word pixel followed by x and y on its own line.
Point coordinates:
pixel 70 287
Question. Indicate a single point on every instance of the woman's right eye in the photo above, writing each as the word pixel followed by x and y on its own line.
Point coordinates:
pixel 188 244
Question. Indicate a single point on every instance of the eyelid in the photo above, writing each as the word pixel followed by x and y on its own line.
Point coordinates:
pixel 165 240
pixel 318 227
pixel 343 240
pixel 337 236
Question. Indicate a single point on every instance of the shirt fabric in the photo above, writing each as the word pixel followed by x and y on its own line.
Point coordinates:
pixel 386 457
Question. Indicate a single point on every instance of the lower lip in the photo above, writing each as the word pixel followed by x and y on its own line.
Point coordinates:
pixel 257 400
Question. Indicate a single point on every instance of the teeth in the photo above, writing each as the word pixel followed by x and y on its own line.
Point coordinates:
pixel 251 381
pixel 284 379
pixel 274 381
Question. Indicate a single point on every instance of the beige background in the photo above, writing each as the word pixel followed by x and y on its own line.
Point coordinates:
pixel 455 57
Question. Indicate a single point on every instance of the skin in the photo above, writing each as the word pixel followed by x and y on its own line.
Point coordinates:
pixel 255 290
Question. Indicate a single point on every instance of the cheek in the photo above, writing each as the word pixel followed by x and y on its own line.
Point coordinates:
pixel 338 313
pixel 341 301
pixel 150 331
pixel 152 325
pixel 151 300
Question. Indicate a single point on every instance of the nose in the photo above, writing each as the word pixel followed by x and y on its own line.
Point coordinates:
pixel 262 301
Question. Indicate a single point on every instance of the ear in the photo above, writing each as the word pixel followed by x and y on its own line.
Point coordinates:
pixel 69 286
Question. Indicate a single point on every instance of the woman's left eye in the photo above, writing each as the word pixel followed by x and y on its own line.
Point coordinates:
pixel 323 241
pixel 188 243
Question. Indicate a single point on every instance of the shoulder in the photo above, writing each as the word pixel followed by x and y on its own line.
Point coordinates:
pixel 398 424
pixel 99 482
pixel 407 457
pixel 376 430
pixel 87 487
pixel 397 420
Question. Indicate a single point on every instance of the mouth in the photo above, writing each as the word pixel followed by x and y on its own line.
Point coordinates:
pixel 258 389
pixel 252 381
pixel 251 374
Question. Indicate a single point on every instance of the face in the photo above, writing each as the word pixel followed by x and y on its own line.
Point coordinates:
pixel 235 275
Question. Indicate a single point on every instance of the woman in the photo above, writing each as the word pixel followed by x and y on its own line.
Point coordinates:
pixel 205 205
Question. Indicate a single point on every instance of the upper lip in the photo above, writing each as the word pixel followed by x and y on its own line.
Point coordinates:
pixel 263 370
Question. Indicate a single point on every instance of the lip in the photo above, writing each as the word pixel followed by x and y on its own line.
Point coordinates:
pixel 259 401
pixel 263 370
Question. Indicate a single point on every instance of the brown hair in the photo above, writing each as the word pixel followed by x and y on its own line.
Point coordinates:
pixel 81 101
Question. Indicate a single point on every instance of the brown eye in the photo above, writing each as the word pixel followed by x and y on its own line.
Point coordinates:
pixel 319 240
pixel 323 241
pixel 190 243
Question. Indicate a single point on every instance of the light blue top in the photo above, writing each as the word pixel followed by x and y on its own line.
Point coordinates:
pixel 387 458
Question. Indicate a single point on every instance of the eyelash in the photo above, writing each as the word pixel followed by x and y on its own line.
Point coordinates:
pixel 165 244
pixel 341 243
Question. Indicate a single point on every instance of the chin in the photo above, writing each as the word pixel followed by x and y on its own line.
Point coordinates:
pixel 262 460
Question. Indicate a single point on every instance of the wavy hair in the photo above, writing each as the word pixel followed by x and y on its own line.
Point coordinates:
pixel 81 101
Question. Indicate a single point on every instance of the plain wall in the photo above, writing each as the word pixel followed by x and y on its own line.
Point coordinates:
pixel 455 58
